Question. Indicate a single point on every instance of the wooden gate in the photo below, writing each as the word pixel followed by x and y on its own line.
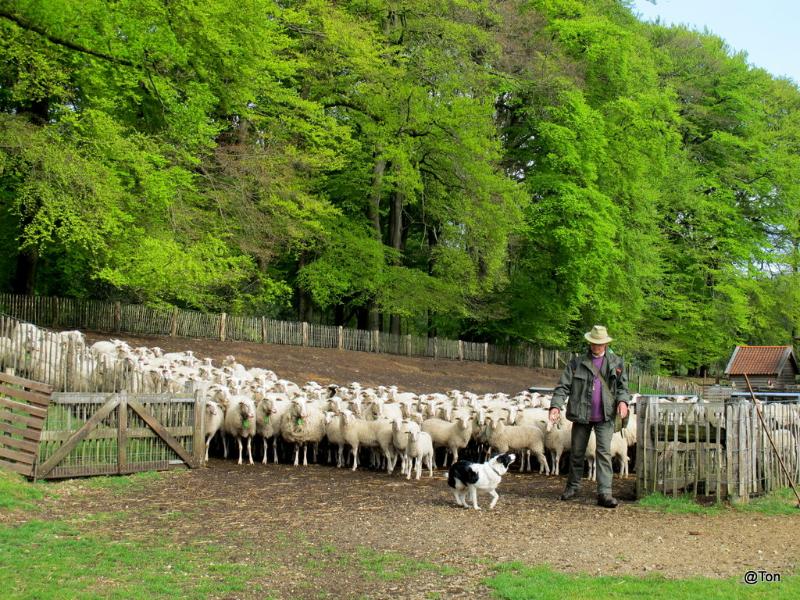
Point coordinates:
pixel 46 435
pixel 23 409
pixel 109 434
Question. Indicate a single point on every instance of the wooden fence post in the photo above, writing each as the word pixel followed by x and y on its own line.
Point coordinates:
pixel 435 347
pixel 460 350
pixel 222 318
pixel 263 330
pixel 408 344
pixel 541 357
pixel 117 316
pixel 555 366
pixel 305 333
pixel 198 441
pixel 173 328
pixel 122 435
pixel 486 352
pixel 376 340
pixel 55 313
pixel 341 338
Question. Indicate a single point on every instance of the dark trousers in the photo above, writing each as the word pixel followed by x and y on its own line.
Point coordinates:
pixel 580 437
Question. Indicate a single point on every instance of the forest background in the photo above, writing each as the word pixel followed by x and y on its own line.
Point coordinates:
pixel 489 170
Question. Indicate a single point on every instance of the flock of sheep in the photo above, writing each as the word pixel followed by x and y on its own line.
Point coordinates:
pixel 362 424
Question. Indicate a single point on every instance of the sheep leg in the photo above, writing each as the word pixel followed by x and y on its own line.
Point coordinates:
pixel 208 443
pixel 239 440
pixel 224 445
pixel 431 464
pixel 250 449
pixel 275 449
pixel 354 452
pixel 296 454
pixel 305 455
pixel 266 451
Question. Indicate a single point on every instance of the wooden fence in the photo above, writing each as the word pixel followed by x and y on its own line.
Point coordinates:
pixel 115 317
pixel 717 448
pixel 23 409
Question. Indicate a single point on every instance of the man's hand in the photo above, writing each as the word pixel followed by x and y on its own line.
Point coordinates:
pixel 554 415
pixel 622 410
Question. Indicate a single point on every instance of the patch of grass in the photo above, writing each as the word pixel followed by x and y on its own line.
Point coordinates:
pixel 393 566
pixel 121 484
pixel 16 492
pixel 58 560
pixel 779 502
pixel 682 505
pixel 515 581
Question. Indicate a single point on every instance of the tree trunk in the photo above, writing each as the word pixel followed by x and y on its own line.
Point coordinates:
pixel 25 274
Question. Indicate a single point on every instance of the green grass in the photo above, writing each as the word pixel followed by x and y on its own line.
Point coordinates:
pixel 514 581
pixel 393 566
pixel 16 492
pixel 780 502
pixel 121 484
pixel 58 560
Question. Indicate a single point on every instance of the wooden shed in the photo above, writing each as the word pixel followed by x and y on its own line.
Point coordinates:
pixel 767 367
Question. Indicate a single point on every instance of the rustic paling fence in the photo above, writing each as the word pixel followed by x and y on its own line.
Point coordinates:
pixel 115 317
pixel 717 448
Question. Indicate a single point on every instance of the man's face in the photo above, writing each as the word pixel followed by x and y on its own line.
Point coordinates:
pixel 598 349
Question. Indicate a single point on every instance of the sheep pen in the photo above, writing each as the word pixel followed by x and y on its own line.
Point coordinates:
pixel 321 513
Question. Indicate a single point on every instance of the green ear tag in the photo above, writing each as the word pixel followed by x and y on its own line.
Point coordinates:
pixel 266 418
pixel 299 421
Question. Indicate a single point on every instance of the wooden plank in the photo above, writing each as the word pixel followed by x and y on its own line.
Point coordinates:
pixel 34 398
pixel 198 440
pixel 28 409
pixel 108 433
pixel 18 444
pixel 26 383
pixel 79 435
pixel 28 434
pixel 122 435
pixel 25 458
pixel 161 431
pixel 32 422
pixel 20 468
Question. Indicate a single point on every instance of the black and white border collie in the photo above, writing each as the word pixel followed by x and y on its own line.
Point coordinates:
pixel 466 476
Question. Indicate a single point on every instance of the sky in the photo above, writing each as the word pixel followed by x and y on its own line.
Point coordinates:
pixel 767 30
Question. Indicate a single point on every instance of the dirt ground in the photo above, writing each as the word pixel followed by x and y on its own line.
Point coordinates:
pixel 307 521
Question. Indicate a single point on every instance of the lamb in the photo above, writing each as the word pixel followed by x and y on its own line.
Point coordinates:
pixel 558 438
pixel 400 430
pixel 619 449
pixel 240 422
pixel 301 425
pixel 334 431
pixel 419 448
pixel 528 438
pixel 591 456
pixel 453 436
pixel 214 417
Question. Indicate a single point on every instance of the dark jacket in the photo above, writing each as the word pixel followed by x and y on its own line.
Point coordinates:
pixel 575 387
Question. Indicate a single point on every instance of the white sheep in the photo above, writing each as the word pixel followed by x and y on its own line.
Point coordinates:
pixel 619 449
pixel 527 438
pixel 269 413
pixel 240 422
pixel 419 448
pixel 400 430
pixel 214 417
pixel 557 439
pixel 453 436
pixel 372 434
pixel 301 425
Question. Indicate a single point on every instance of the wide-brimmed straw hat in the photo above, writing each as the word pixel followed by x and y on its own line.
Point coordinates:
pixel 598 335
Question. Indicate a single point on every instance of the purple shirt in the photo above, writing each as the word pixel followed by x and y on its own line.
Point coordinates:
pixel 596 414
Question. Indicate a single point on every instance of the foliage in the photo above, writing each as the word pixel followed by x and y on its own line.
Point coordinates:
pixel 498 171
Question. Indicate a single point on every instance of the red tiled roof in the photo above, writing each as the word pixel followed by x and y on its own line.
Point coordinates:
pixel 760 360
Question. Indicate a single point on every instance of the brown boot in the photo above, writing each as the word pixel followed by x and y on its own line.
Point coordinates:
pixel 607 501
